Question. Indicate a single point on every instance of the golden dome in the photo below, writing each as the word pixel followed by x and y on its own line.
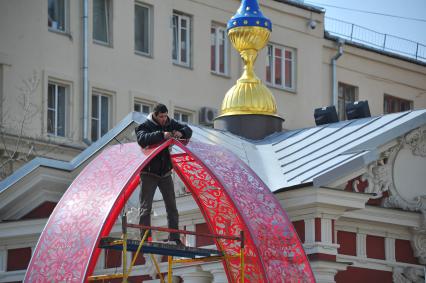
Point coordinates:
pixel 249 95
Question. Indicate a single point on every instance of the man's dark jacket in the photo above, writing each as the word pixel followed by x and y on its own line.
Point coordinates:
pixel 150 133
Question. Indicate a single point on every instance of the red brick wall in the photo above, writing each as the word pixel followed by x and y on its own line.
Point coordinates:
pixel 18 259
pixel 318 229
pixel 112 258
pixel 347 242
pixel 375 247
pixel 203 241
pixel 363 275
pixel 300 229
pixel 42 211
pixel 404 252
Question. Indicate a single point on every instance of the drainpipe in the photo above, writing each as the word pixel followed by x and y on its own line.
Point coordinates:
pixel 339 53
pixel 85 75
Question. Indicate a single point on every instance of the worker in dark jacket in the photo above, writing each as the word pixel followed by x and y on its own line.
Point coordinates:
pixel 157 128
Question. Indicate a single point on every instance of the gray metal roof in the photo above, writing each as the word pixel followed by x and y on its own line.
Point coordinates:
pixel 317 155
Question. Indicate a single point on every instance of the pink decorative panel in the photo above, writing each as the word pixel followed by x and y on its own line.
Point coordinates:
pixel 231 197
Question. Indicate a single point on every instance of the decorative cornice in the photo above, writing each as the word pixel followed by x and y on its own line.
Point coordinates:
pixel 407 275
pixel 416 141
pixel 419 244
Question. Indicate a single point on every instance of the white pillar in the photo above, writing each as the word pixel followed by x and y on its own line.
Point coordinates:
pixel 197 276
pixel 326 230
pixel 219 276
pixel 325 271
pixel 190 240
pixel 3 259
pixel 361 245
pixel 310 231
pixel 390 249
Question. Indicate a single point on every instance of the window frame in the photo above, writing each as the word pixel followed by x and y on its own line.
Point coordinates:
pixel 283 62
pixel 219 28
pixel 109 23
pixel 150 29
pixel 143 103
pixel 341 113
pixel 399 100
pixel 181 112
pixel 66 29
pixel 100 94
pixel 67 88
pixel 178 60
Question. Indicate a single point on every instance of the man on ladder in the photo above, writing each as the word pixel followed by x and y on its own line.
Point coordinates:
pixel 157 128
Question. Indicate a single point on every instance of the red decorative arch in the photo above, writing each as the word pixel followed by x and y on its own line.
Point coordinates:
pixel 229 194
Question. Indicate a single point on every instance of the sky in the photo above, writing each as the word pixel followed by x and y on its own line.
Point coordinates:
pixel 414 30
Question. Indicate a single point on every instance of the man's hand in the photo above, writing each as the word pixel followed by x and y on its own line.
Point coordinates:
pixel 177 134
pixel 168 135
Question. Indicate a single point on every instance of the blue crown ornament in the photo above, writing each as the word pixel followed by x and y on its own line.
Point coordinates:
pixel 249 15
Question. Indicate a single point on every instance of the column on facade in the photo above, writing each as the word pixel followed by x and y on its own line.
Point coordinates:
pixel 3 259
pixel 321 247
pixel 390 248
pixel 197 275
pixel 320 236
pixel 361 244
pixel 190 240
pixel 217 271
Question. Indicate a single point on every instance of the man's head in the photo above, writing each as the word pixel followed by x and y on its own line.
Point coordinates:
pixel 160 114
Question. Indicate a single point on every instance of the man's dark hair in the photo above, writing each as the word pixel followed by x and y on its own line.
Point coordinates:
pixel 160 108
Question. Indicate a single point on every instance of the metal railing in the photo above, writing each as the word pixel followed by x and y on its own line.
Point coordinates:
pixel 377 40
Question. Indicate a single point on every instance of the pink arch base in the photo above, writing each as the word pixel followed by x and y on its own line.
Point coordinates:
pixel 229 194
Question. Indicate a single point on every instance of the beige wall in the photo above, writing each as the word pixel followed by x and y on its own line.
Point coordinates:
pixel 28 47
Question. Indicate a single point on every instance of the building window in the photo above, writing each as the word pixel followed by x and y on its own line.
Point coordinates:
pixel 100 115
pixel 56 109
pixel 347 94
pixel 181 39
pixel 392 104
pixel 183 117
pixel 57 15
pixel 143 108
pixel 143 28
pixel 219 50
pixel 102 21
pixel 280 67
pixel 18 259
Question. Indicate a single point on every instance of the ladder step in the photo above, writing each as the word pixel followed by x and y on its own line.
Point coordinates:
pixel 158 248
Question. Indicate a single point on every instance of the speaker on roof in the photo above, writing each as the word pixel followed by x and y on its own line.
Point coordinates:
pixel 357 110
pixel 325 115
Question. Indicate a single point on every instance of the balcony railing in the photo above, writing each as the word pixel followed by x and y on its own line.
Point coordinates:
pixel 377 40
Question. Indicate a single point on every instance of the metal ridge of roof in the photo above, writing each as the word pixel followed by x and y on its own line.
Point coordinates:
pixel 323 154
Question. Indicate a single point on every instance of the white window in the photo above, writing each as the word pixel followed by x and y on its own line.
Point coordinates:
pixel 142 107
pixel 218 50
pixel 143 28
pixel 183 117
pixel 57 109
pixel 102 21
pixel 100 115
pixel 280 67
pixel 347 94
pixel 58 15
pixel 181 39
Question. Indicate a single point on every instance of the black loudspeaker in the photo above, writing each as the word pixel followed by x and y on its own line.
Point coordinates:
pixel 357 110
pixel 325 115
